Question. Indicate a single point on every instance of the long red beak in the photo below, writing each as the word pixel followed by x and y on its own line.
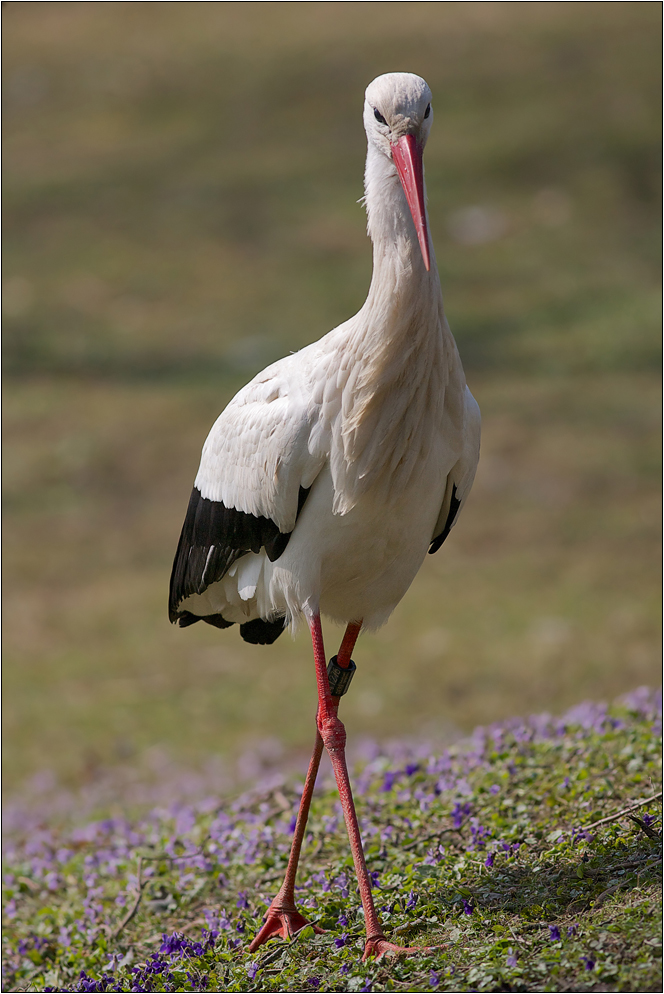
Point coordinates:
pixel 407 155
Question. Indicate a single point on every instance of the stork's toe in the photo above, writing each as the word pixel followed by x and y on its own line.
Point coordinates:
pixel 380 947
pixel 283 922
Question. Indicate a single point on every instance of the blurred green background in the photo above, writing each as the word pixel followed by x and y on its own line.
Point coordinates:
pixel 181 186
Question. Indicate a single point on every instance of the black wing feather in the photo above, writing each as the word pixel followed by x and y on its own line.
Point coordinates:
pixel 213 537
pixel 260 632
pixel 455 504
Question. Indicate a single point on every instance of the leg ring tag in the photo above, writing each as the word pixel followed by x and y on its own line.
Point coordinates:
pixel 339 677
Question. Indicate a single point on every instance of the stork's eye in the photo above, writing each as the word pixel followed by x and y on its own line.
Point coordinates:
pixel 379 116
pixel 427 111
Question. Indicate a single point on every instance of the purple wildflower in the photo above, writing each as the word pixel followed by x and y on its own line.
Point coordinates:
pixel 342 920
pixel 342 883
pixel 434 855
pixel 644 701
pixel 588 962
pixel 411 768
pixel 412 900
pixel 174 945
pixel 374 875
pixel 201 984
pixel 321 879
pixel 467 907
pixel 488 862
pixel 434 980
pixel 252 970
pixel 459 812
pixel 314 982
pixel 572 931
pixel 344 968
pixel 388 781
pixel 341 941
pixel 554 933
pixel 479 835
pixel 242 901
pixel 494 789
pixel 511 959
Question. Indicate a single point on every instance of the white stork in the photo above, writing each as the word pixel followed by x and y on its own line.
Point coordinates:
pixel 328 477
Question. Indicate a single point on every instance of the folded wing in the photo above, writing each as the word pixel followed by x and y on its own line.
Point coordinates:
pixel 254 476
pixel 460 479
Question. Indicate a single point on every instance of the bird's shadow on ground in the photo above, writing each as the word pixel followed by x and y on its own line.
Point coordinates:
pixel 571 888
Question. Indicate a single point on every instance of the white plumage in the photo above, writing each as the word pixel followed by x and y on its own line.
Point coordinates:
pixel 375 421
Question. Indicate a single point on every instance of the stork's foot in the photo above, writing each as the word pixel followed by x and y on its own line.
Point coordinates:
pixel 380 947
pixel 284 921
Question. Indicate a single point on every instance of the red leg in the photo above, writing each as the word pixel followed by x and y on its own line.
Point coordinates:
pixel 348 643
pixel 333 735
pixel 282 917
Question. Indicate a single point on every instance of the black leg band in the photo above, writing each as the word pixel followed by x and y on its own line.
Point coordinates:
pixel 339 677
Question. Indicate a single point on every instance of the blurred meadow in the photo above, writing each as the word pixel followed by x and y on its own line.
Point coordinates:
pixel 181 187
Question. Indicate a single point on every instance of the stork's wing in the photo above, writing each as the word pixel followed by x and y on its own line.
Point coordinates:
pixel 460 479
pixel 253 479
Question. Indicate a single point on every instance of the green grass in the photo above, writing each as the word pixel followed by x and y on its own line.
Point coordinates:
pixel 180 209
pixel 481 851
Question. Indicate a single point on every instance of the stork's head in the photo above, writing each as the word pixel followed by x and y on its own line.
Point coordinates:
pixel 397 119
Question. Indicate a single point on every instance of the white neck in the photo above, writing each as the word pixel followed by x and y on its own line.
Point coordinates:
pixel 398 351
pixel 396 251
pixel 402 317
